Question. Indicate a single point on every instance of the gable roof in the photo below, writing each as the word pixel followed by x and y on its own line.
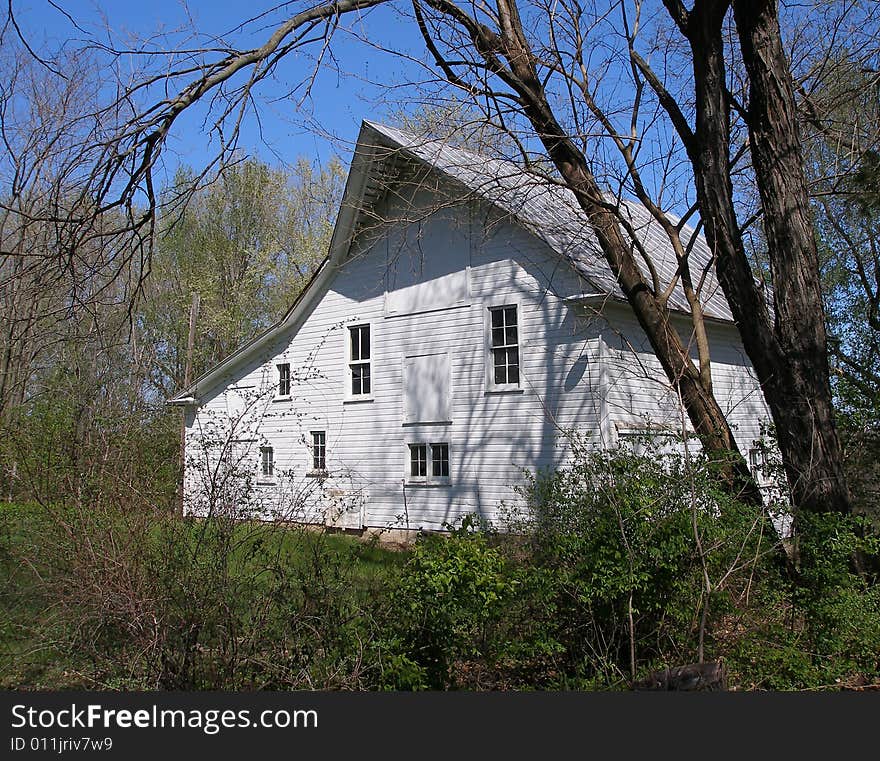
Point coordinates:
pixel 545 208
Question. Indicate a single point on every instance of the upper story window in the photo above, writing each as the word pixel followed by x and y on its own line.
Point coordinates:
pixel 504 343
pixel 359 362
pixel 267 463
pixel 319 450
pixel 283 379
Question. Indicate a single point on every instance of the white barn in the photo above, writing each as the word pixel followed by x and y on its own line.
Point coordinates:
pixel 462 327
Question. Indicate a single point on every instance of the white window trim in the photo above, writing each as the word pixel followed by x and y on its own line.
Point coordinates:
pixel 428 480
pixel 348 397
pixel 283 397
pixel 488 356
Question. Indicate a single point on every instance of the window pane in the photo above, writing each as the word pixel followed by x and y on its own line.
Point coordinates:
pixel 440 460
pixel 355 343
pixel 510 315
pixel 497 336
pixel 360 379
pixel 365 341
pixel 360 342
pixel 510 336
pixel 418 460
pixel 497 318
pixel 500 365
pixel 513 374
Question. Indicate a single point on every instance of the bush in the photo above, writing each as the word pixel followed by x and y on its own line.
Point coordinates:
pixel 647 555
pixel 452 593
pixel 622 564
pixel 625 564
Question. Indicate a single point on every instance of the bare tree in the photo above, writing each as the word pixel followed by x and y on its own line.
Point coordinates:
pixel 51 284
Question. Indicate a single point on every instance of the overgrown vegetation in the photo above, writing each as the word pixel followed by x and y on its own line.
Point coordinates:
pixel 622 565
pixel 134 600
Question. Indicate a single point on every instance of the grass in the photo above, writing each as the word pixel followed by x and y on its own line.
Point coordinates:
pixel 35 628
pixel 28 657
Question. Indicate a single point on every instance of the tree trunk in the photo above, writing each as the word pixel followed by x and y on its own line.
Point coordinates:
pixel 789 354
pixel 806 425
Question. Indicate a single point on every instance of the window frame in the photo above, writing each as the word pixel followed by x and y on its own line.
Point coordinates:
pixel 759 463
pixel 262 477
pixel 489 350
pixel 279 376
pixel 429 478
pixel 315 470
pixel 410 449
pixel 349 395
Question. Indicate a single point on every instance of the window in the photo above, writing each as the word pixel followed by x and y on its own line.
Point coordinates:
pixel 319 451
pixel 359 364
pixel 505 346
pixel 758 462
pixel 283 379
pixel 428 464
pixel 267 463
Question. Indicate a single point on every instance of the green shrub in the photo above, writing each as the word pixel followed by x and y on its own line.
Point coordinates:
pixel 621 565
pixel 451 593
pixel 646 555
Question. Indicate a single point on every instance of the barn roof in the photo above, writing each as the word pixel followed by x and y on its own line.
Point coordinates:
pixel 543 207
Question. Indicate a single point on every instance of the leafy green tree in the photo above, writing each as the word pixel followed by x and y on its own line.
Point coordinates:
pixel 246 244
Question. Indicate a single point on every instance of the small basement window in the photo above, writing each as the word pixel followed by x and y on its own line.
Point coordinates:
pixel 418 461
pixel 283 379
pixel 440 460
pixel 359 361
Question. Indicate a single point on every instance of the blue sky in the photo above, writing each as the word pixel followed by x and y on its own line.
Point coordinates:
pixel 285 129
